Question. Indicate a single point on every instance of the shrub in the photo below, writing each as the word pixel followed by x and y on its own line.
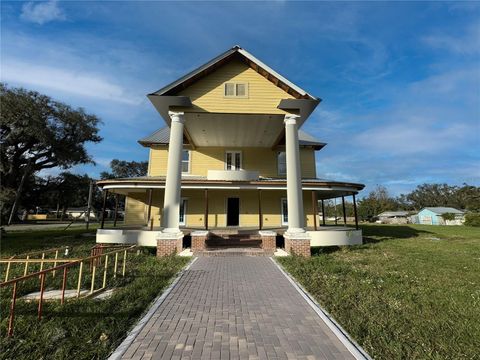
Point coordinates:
pixel 448 216
pixel 472 219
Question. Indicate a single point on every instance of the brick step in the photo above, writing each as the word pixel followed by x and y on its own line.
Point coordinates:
pixel 233 252
pixel 233 243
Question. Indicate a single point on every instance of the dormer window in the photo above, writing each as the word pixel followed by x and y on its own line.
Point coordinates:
pixel 237 90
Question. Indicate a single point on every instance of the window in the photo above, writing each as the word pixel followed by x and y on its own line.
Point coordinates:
pixel 233 160
pixel 236 90
pixel 284 212
pixel 183 212
pixel 186 161
pixel 282 163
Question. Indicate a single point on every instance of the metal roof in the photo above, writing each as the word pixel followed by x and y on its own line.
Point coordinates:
pixel 443 210
pixel 393 213
pixel 197 73
pixel 162 137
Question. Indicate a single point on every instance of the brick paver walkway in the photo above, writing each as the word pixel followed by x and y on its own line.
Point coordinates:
pixel 235 308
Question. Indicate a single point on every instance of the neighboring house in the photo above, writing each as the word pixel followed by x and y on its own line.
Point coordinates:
pixel 231 140
pixel 393 217
pixel 433 216
pixel 79 213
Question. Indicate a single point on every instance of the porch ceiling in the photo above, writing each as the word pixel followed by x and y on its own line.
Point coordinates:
pixel 233 130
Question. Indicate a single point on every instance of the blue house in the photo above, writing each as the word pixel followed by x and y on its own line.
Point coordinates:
pixel 433 216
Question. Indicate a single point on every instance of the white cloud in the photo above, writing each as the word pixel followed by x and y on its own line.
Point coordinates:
pixel 468 43
pixel 65 80
pixel 41 13
pixel 412 137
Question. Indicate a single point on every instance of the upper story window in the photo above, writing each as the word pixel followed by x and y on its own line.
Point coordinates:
pixel 282 163
pixel 186 161
pixel 238 90
pixel 233 160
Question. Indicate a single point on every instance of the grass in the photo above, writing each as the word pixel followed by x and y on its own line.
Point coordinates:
pixel 410 292
pixel 84 328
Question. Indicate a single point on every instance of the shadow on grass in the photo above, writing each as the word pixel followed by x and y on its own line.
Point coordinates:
pixel 378 233
pixel 373 234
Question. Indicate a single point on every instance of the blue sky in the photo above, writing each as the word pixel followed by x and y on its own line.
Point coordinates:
pixel 400 82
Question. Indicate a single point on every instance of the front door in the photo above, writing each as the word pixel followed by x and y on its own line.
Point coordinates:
pixel 233 211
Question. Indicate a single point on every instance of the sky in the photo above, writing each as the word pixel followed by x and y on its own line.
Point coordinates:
pixel 399 81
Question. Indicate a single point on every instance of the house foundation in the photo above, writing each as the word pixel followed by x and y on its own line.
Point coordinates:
pixel 297 244
pixel 269 240
pixel 169 244
pixel 199 239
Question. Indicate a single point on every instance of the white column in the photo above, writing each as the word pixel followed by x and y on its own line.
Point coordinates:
pixel 296 222
pixel 171 204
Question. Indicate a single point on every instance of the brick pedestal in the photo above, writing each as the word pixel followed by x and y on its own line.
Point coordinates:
pixel 169 244
pixel 199 239
pixel 297 244
pixel 269 240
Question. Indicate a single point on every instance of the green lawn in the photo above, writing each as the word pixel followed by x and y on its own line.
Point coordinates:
pixel 84 328
pixel 410 292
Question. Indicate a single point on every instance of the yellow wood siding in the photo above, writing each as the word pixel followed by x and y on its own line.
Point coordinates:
pixel 157 163
pixel 307 161
pixel 136 208
pixel 263 160
pixel 207 94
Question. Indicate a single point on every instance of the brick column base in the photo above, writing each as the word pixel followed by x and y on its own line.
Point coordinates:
pixel 269 240
pixel 169 244
pixel 199 239
pixel 297 244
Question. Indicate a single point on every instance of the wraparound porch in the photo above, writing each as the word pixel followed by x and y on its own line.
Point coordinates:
pixel 259 207
pixel 323 236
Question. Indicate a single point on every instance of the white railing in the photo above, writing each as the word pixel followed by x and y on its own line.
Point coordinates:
pixel 233 175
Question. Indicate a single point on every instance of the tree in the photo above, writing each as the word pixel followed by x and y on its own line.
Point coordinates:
pixel 39 133
pixel 125 169
pixel 464 197
pixel 376 202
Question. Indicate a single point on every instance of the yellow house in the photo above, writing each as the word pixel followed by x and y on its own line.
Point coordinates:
pixel 230 158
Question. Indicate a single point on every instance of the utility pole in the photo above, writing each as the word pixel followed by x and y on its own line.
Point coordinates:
pixel 89 204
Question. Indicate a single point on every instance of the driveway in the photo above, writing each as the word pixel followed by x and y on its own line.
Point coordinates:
pixel 232 307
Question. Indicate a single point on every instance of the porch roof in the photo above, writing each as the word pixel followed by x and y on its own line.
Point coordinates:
pixel 326 189
pixel 162 137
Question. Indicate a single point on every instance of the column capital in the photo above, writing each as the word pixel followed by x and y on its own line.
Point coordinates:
pixel 178 116
pixel 291 119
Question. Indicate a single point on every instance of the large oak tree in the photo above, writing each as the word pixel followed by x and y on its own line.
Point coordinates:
pixel 37 133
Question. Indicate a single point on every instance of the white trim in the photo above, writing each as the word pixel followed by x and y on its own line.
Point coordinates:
pixel 189 161
pixel 283 222
pixel 224 187
pixel 354 349
pixel 235 96
pixel 123 347
pixel 177 116
pixel 278 163
pixel 273 72
pixel 184 222
pixel 233 159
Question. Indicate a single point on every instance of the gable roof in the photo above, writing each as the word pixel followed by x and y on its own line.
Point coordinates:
pixel 162 137
pixel 235 52
pixel 443 210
